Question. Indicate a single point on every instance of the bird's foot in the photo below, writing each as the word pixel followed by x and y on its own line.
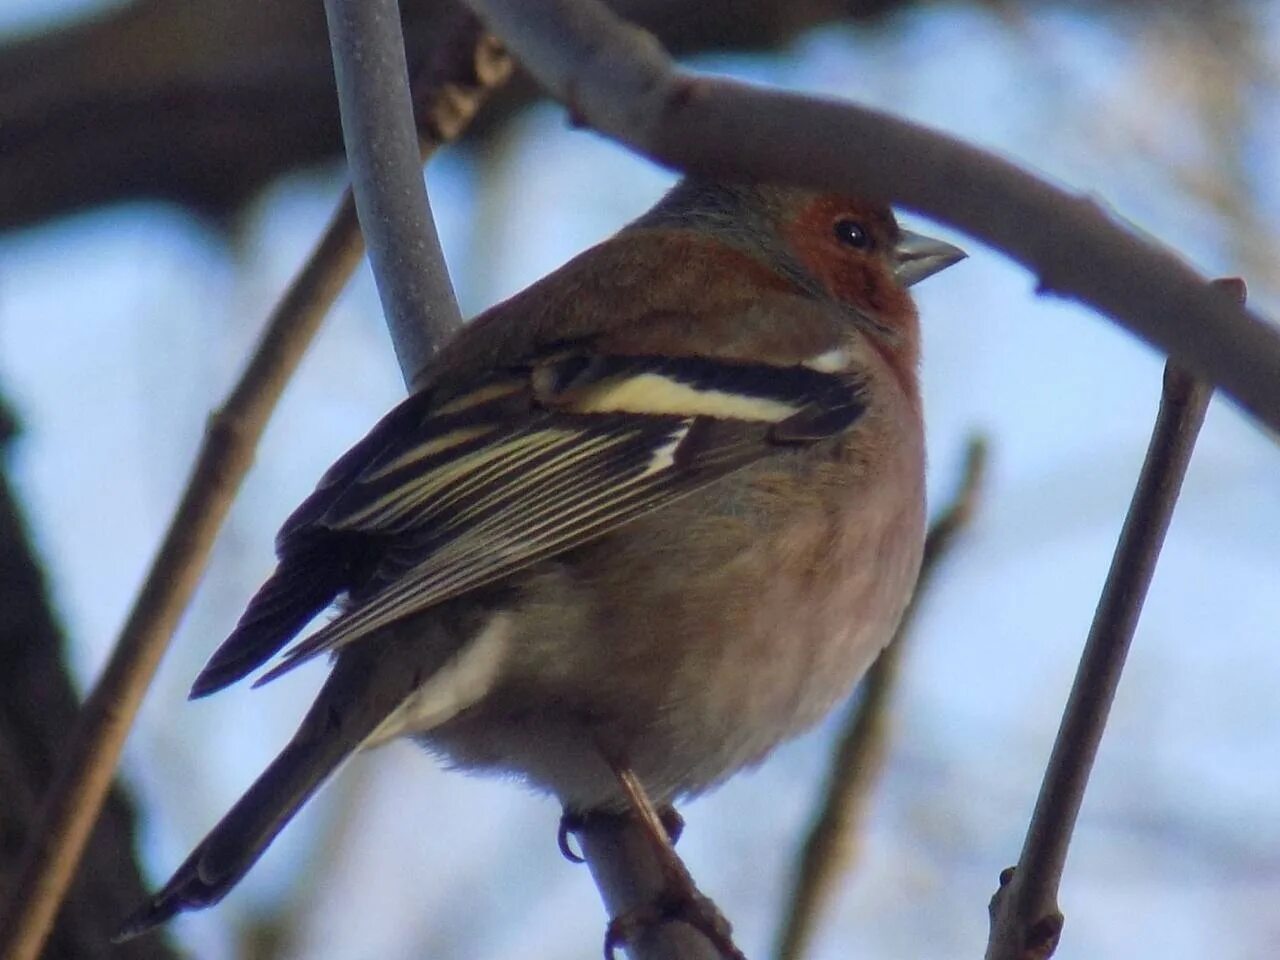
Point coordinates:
pixel 679 902
pixel 677 898
pixel 672 822
pixel 571 821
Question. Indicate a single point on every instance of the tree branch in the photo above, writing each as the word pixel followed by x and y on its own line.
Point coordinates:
pixel 620 856
pixel 374 102
pixel 618 80
pixel 92 752
pixel 628 875
pixel 829 849
pixel 203 104
pixel 1025 921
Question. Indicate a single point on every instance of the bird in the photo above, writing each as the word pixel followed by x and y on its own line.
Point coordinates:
pixel 644 521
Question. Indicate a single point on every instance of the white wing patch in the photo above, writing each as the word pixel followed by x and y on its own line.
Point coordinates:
pixel 664 457
pixel 654 394
pixel 835 360
pixel 479 397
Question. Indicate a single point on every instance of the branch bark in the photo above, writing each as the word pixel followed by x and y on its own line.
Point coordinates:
pixel 620 856
pixel 374 103
pixel 628 875
pixel 204 103
pixel 92 752
pixel 618 80
pixel 1025 920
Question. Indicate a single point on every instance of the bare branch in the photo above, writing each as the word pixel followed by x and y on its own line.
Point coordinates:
pixel 91 754
pixel 629 876
pixel 203 104
pixel 90 758
pixel 619 80
pixel 418 301
pixel 1025 921
pixel 830 847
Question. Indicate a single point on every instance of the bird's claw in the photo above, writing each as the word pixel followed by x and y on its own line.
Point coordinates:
pixel 571 822
pixel 682 906
pixel 672 822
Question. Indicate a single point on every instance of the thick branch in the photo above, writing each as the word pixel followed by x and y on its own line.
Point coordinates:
pixel 90 756
pixel 386 177
pixel 1025 917
pixel 829 848
pixel 618 80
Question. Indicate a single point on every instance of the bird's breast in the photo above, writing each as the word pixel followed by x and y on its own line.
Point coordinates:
pixel 798 616
pixel 712 630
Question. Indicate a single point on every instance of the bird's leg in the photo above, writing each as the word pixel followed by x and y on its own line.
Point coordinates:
pixel 571 821
pixel 680 898
pixel 642 808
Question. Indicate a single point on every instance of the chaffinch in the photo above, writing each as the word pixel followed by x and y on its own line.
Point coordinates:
pixel 652 515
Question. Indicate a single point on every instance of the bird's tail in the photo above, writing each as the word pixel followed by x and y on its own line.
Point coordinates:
pixel 240 837
pixel 366 685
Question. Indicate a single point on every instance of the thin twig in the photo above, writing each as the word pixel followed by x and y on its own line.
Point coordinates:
pixel 830 847
pixel 618 80
pixel 1025 920
pixel 375 104
pixel 90 757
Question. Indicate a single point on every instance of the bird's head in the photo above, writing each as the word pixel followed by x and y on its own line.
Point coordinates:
pixel 848 249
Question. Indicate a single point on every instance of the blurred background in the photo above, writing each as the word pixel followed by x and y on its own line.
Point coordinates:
pixel 164 169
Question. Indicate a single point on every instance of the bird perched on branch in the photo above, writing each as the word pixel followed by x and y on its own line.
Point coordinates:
pixel 647 519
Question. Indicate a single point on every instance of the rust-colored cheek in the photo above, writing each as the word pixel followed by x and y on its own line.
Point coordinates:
pixel 861 280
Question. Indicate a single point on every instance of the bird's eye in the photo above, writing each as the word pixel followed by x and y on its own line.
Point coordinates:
pixel 852 234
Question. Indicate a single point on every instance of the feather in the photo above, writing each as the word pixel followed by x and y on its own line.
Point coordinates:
pixel 444 499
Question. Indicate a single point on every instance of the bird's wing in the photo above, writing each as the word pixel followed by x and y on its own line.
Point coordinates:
pixel 537 460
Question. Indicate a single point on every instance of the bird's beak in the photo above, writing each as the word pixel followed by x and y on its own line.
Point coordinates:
pixel 916 257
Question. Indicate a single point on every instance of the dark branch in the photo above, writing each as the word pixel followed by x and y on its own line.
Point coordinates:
pixel 1025 917
pixel 204 104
